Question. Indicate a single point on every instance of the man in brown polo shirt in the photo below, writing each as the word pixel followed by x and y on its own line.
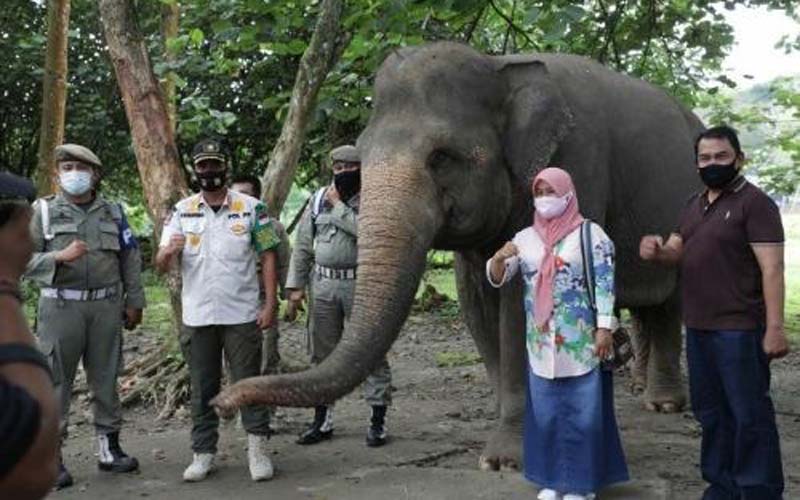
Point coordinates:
pixel 729 247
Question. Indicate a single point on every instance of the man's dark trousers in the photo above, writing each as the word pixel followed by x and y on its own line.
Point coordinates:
pixel 729 381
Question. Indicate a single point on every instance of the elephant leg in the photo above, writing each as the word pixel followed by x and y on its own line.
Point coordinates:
pixel 641 354
pixel 501 344
pixel 504 448
pixel 479 307
pixel 662 326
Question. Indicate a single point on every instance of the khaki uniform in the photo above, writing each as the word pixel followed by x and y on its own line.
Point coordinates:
pixel 81 305
pixel 325 253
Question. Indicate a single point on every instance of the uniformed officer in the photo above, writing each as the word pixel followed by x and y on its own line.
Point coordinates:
pixel 88 266
pixel 270 354
pixel 325 253
pixel 219 235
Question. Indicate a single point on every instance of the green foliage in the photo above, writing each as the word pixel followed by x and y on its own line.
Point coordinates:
pixel 768 120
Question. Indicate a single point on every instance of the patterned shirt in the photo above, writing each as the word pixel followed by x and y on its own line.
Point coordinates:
pixel 567 348
pixel 218 263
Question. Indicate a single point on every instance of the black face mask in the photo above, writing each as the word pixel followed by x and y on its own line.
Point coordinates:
pixel 718 175
pixel 348 184
pixel 212 180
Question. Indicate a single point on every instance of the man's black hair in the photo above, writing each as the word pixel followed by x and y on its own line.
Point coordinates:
pixel 251 179
pixel 720 132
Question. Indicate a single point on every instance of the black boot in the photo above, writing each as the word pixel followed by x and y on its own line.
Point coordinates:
pixel 64 479
pixel 320 429
pixel 112 458
pixel 376 434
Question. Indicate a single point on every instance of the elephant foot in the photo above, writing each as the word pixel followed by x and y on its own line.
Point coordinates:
pixel 503 450
pixel 663 407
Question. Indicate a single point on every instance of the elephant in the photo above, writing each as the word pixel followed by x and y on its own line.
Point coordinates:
pixel 453 142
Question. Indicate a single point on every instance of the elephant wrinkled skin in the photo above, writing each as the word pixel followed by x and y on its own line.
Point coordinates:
pixel 448 155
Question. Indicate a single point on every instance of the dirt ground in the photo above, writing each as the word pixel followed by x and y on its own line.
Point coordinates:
pixel 440 419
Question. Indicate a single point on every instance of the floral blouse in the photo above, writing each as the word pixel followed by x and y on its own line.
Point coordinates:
pixel 567 349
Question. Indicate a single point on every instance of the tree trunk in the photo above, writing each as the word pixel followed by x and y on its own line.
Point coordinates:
pixel 54 90
pixel 153 137
pixel 324 49
pixel 170 16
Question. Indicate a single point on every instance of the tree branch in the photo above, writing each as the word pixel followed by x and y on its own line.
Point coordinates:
pixel 323 51
pixel 473 25
pixel 513 25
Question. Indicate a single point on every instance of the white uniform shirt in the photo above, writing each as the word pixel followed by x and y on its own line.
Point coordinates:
pixel 218 262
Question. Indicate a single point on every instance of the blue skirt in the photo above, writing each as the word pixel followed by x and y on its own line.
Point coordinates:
pixel 571 441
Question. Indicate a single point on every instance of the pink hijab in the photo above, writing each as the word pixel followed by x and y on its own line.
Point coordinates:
pixel 551 232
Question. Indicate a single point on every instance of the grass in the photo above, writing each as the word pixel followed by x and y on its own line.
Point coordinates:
pixel 791 225
pixel 157 319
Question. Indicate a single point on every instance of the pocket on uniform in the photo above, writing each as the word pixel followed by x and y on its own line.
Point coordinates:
pixel 193 228
pixel 63 233
pixel 50 352
pixel 109 236
pixel 327 234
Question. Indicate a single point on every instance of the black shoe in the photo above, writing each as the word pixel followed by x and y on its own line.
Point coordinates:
pixel 64 477
pixel 313 436
pixel 376 434
pixel 321 429
pixel 112 458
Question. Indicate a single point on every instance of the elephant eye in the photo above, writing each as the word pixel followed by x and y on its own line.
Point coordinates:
pixel 438 159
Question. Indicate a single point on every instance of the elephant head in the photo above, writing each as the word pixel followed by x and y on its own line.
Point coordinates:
pixel 452 143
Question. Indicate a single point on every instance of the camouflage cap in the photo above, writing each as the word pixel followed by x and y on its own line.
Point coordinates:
pixel 209 149
pixel 76 152
pixel 14 188
pixel 347 153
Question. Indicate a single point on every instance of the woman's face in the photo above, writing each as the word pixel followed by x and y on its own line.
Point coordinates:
pixel 542 188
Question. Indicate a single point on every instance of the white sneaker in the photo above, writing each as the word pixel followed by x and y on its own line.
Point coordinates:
pixel 548 494
pixel 202 465
pixel 258 459
pixel 575 496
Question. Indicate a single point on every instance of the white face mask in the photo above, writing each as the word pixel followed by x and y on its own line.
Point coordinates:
pixel 76 182
pixel 550 207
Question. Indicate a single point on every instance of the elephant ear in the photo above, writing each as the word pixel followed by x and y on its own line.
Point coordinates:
pixel 537 116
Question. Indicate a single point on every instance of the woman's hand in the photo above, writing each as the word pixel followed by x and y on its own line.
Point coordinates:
pixel 508 250
pixel 498 264
pixel 603 343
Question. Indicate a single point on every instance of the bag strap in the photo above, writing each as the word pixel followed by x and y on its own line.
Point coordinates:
pixel 588 261
pixel 46 220
pixel 317 202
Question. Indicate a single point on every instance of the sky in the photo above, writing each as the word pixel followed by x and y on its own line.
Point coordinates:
pixel 757 30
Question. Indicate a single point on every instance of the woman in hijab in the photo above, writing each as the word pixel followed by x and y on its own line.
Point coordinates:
pixel 571 444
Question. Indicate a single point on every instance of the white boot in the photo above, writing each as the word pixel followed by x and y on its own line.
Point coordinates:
pixel 257 457
pixel 575 496
pixel 548 494
pixel 202 465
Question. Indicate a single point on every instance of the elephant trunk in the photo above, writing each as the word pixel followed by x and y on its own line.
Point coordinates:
pixel 397 223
